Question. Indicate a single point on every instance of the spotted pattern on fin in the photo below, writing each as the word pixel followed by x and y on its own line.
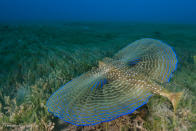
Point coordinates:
pixel 157 59
pixel 102 95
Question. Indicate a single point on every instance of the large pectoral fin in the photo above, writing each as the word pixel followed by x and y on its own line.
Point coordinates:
pixel 92 99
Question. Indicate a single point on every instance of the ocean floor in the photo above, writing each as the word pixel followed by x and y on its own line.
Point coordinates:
pixel 35 60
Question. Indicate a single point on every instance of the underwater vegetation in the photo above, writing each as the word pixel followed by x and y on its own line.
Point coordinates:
pixel 36 60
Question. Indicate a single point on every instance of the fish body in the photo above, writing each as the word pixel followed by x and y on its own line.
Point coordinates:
pixel 118 70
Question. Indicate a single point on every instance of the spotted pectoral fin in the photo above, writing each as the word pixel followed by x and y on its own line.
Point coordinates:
pixel 80 105
pixel 157 59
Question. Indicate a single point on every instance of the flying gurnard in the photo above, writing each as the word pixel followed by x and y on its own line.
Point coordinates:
pixel 118 86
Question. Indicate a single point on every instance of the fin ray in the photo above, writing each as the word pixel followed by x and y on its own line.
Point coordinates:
pixel 157 59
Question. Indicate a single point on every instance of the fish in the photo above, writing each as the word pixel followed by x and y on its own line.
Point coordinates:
pixel 118 86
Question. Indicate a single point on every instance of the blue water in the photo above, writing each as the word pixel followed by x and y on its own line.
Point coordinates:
pixel 161 11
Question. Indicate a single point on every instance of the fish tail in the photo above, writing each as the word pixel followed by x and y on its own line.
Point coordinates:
pixel 175 98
